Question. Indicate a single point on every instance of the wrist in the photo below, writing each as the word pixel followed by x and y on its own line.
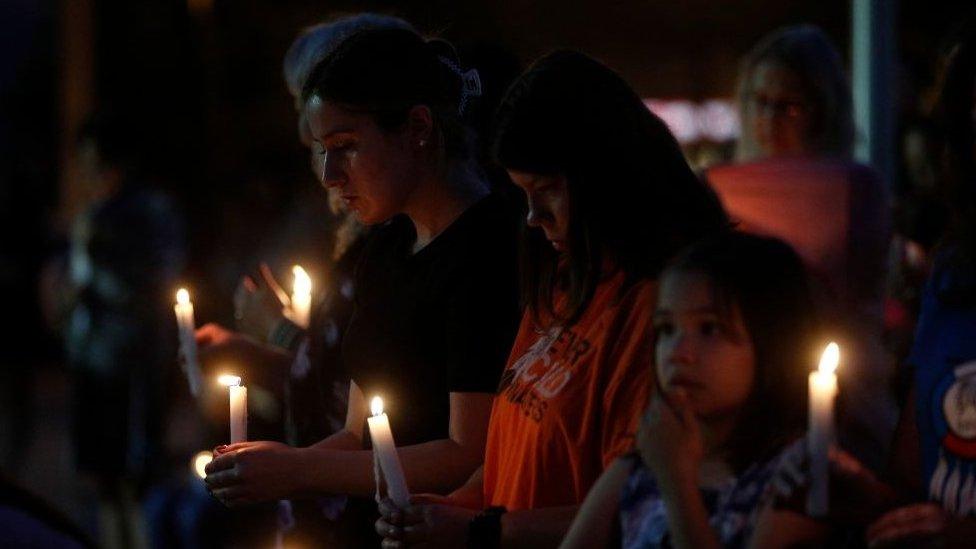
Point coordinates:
pixel 485 529
pixel 678 479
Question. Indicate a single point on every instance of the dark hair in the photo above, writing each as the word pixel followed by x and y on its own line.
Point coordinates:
pixel 807 52
pixel 386 72
pixel 117 140
pixel 314 43
pixel 954 116
pixel 633 199
pixel 765 281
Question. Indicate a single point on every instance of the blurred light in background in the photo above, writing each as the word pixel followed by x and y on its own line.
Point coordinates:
pixel 713 120
pixel 200 461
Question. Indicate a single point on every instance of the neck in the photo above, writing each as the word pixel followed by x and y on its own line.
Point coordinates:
pixel 441 198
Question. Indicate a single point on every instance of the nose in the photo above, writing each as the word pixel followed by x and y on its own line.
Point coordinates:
pixel 330 174
pixel 537 217
pixel 682 350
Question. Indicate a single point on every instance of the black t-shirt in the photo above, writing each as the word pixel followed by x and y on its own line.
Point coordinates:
pixel 435 322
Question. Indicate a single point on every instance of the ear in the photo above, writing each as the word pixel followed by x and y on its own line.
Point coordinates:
pixel 420 126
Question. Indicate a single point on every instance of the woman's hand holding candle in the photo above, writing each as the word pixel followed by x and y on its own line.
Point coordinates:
pixel 430 519
pixel 254 472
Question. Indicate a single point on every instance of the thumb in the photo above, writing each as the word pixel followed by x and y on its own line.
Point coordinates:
pixel 682 408
pixel 269 280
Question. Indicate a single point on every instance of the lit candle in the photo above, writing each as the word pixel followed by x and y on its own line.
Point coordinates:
pixel 188 341
pixel 823 390
pixel 238 408
pixel 384 451
pixel 301 297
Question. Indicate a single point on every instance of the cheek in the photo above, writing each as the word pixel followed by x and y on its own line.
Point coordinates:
pixel 731 373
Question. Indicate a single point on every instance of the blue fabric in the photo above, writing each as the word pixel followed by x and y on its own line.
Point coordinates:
pixel 732 508
pixel 944 359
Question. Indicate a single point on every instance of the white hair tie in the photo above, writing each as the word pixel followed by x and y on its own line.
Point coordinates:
pixel 470 81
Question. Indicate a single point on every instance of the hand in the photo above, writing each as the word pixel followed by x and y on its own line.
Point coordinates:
pixel 856 494
pixel 259 304
pixel 908 526
pixel 253 472
pixel 669 438
pixel 430 520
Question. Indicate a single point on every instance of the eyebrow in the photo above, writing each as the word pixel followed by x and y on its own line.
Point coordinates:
pixel 708 309
pixel 331 134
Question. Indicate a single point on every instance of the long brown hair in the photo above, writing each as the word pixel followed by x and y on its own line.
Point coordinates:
pixel 633 199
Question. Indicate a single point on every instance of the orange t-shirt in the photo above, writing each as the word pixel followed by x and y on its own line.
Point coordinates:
pixel 570 399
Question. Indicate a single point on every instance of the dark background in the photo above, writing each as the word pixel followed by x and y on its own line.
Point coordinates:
pixel 200 82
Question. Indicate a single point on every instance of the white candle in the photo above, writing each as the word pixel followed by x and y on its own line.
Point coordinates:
pixel 823 390
pixel 301 297
pixel 238 408
pixel 188 340
pixel 384 451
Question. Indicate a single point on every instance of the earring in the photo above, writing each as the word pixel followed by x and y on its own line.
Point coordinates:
pixel 422 143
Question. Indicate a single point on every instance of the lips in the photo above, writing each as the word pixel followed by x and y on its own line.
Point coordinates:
pixel 684 382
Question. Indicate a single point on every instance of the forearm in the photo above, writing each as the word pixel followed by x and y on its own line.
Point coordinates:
pixel 688 517
pixel 437 466
pixel 340 440
pixel 536 528
pixel 471 494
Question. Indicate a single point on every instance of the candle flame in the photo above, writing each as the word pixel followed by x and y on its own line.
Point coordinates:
pixel 183 296
pixel 303 283
pixel 229 380
pixel 830 358
pixel 376 406
pixel 199 463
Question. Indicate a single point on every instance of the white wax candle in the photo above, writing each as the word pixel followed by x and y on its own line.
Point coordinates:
pixel 238 408
pixel 384 451
pixel 301 297
pixel 188 341
pixel 823 390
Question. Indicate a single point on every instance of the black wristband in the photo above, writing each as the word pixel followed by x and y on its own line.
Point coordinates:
pixel 485 529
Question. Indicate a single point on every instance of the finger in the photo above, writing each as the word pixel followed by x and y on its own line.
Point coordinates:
pixel 223 479
pixel 210 333
pixel 231 496
pixel 681 405
pixel 226 460
pixel 388 531
pixel 416 533
pixel 897 520
pixel 414 514
pixel 249 284
pixel 269 280
pixel 390 511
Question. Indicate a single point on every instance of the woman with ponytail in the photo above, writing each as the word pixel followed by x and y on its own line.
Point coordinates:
pixel 436 304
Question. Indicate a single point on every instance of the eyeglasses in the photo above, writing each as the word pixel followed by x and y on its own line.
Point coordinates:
pixel 778 107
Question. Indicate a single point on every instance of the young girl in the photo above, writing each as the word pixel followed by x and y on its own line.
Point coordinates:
pixel 735 338
pixel 610 198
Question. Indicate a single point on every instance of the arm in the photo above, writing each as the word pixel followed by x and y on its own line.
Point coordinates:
pixel 472 493
pixel 350 437
pixel 436 466
pixel 595 525
pixel 781 528
pixel 536 528
pixel 252 472
pixel 687 516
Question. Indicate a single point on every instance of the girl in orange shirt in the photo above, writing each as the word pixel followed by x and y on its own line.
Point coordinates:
pixel 610 199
